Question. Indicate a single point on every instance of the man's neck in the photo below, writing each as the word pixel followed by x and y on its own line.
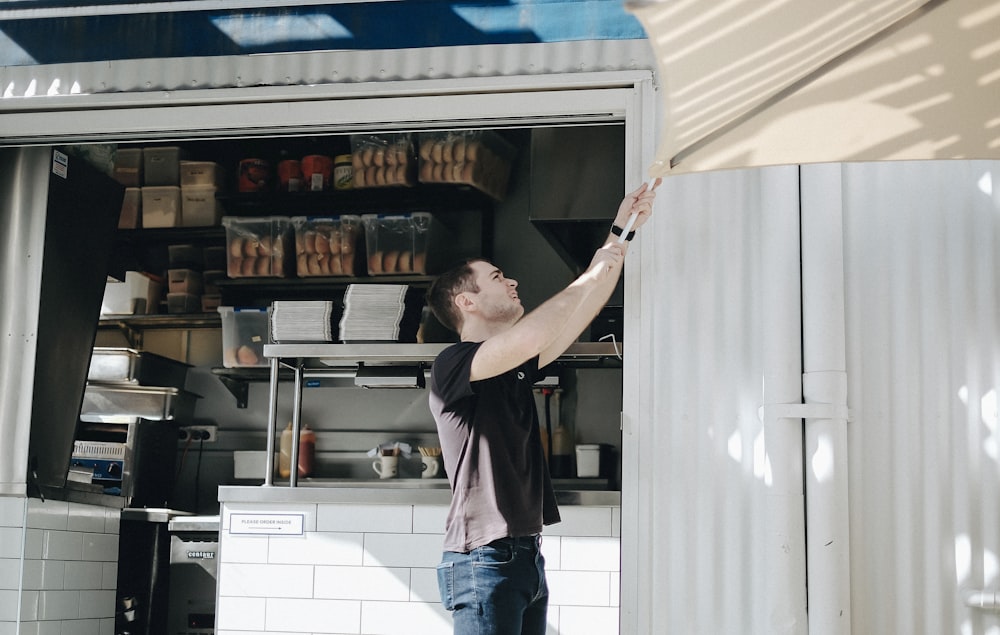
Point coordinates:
pixel 481 331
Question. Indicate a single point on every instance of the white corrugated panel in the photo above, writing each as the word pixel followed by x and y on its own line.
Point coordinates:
pixel 922 254
pixel 328 67
pixel 712 556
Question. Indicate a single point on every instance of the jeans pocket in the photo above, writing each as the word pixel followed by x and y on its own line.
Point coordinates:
pixel 498 552
pixel 446 584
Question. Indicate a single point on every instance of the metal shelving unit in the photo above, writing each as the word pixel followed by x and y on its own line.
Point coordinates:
pixel 314 360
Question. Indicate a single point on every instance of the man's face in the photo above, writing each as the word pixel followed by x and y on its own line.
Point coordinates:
pixel 497 299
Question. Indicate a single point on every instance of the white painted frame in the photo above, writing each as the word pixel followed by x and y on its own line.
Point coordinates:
pixel 616 96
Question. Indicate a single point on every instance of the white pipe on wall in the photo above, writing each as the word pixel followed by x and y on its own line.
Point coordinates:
pixel 782 358
pixel 825 383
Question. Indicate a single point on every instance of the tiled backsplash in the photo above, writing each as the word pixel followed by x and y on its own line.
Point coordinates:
pixel 58 567
pixel 370 569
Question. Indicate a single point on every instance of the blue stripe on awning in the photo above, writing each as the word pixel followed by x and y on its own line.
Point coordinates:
pixel 355 26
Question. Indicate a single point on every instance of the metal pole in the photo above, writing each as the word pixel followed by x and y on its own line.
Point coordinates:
pixel 785 564
pixel 272 422
pixel 293 478
pixel 825 383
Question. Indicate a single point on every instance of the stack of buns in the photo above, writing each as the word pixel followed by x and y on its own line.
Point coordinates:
pixel 326 247
pixel 469 158
pixel 380 161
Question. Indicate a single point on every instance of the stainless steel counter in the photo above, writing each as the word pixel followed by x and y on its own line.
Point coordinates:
pixel 395 492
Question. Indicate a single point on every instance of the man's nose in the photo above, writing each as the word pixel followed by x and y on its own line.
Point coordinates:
pixel 512 283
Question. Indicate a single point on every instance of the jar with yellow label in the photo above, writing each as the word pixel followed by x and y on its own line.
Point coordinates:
pixel 343 173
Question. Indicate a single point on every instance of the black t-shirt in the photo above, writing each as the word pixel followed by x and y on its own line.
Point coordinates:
pixel 492 451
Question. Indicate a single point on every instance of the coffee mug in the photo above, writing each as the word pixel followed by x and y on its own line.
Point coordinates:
pixel 431 466
pixel 386 466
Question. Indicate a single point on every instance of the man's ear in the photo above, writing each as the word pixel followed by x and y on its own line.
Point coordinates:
pixel 465 302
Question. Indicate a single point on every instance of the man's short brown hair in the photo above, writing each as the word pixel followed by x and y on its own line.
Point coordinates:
pixel 460 278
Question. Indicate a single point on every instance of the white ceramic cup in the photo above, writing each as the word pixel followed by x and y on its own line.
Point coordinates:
pixel 386 466
pixel 430 467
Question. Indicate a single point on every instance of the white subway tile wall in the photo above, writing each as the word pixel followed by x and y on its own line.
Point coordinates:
pixel 370 570
pixel 58 567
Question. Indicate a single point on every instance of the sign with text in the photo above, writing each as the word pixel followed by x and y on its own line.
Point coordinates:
pixel 267 524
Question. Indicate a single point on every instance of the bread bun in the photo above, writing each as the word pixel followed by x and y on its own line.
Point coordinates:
pixel 375 262
pixel 246 356
pixel 263 266
pixel 312 265
pixel 390 262
pixel 264 247
pixel 405 264
pixel 248 267
pixel 236 247
pixel 250 247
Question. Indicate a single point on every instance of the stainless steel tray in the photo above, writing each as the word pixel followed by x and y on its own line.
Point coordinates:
pixel 129 366
pixel 101 401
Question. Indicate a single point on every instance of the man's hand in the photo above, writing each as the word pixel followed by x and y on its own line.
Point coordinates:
pixel 640 203
pixel 606 260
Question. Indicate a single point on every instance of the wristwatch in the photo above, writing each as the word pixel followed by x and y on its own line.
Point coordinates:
pixel 618 231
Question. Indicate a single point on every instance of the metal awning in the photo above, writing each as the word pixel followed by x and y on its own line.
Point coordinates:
pixel 747 83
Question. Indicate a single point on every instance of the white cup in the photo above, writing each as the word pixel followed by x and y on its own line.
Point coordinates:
pixel 430 467
pixel 386 466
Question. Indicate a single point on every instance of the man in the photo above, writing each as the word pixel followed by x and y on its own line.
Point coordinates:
pixel 492 575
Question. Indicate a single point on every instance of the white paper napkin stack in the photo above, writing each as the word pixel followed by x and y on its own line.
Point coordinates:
pixel 302 321
pixel 372 312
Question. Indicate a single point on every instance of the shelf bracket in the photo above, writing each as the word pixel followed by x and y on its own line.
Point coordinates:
pixel 239 389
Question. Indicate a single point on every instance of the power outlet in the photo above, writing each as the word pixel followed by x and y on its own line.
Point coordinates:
pixel 205 434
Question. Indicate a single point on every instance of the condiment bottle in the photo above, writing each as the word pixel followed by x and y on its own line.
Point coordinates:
pixel 307 451
pixel 561 465
pixel 285 453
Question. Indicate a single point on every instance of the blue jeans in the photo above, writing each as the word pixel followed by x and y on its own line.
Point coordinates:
pixel 496 589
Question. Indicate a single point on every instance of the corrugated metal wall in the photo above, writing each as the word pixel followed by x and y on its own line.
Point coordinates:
pixel 922 247
pixel 922 302
pixel 329 67
pixel 707 485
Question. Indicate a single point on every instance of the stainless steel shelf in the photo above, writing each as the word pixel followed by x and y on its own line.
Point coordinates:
pixel 343 355
pixel 303 357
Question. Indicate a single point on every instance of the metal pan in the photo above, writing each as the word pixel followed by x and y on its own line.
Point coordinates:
pixel 101 401
pixel 129 366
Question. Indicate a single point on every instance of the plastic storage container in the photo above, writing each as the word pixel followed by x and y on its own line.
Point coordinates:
pixel 258 246
pixel 138 294
pixel 128 167
pixel 201 174
pixel 184 281
pixel 397 243
pixel 161 206
pixel 383 160
pixel 131 215
pixel 244 333
pixel 479 158
pixel 327 245
pixel 199 207
pixel 588 460
pixel 162 166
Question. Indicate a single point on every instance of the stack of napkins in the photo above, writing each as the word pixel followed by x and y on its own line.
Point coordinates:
pixel 302 321
pixel 372 312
